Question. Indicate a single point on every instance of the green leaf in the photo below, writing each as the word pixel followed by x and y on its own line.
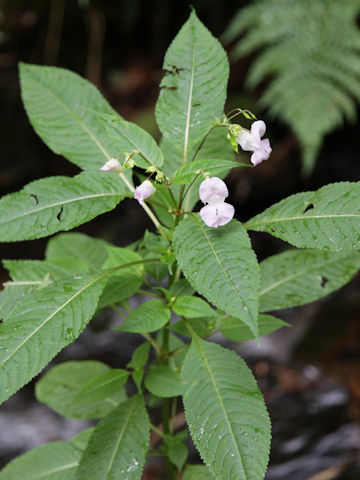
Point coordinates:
pixel 59 387
pixel 117 449
pixel 181 287
pixel 328 219
pixel 64 248
pixel 52 461
pixel 297 277
pixel 52 204
pixel 140 356
pixel 192 307
pixel 225 412
pixel 81 440
pixel 128 137
pixel 125 282
pixel 234 329
pixel 64 111
pixel 163 381
pixel 41 325
pixel 193 90
pixel 221 265
pixel 199 325
pixel 177 454
pixel 187 173
pixel 101 387
pixel 197 472
pixel 27 276
pixel 150 316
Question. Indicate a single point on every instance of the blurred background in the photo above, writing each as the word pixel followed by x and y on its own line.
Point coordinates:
pixel 295 64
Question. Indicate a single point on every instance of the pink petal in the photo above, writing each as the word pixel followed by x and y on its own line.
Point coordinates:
pixel 143 191
pixel 213 189
pixel 245 140
pixel 217 214
pixel 258 129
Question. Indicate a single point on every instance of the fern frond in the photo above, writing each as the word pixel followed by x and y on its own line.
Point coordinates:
pixel 311 53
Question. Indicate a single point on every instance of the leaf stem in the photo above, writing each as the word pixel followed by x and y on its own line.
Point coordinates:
pixel 155 345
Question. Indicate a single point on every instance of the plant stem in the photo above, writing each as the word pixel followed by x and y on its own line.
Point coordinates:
pixel 166 405
pixel 156 346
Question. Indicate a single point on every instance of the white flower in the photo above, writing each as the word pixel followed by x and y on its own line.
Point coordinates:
pixel 111 166
pixel 212 189
pixel 251 142
pixel 217 213
pixel 143 191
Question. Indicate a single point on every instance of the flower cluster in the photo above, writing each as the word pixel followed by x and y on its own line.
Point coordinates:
pixel 217 212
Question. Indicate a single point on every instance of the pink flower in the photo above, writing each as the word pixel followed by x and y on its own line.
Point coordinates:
pixel 251 142
pixel 217 213
pixel 111 166
pixel 144 191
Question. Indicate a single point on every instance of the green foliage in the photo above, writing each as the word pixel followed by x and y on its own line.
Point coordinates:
pixel 225 412
pixel 41 325
pixel 192 307
pixel 236 330
pixel 117 448
pixel 60 386
pixel 163 381
pixel 221 266
pixel 86 252
pixel 197 472
pixel 297 277
pixel 53 461
pixel 128 138
pixel 326 219
pixel 150 316
pixel 101 387
pixel 185 174
pixel 52 204
pixel 64 111
pixel 194 59
pixel 314 70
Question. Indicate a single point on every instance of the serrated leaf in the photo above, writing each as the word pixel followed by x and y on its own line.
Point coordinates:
pixel 71 128
pixel 221 265
pixel 150 316
pixel 125 434
pixel 52 461
pixel 194 86
pixel 60 385
pixel 225 412
pixel 27 275
pixel 65 248
pixel 52 204
pixel 41 325
pixel 297 277
pixel 234 329
pixel 128 137
pixel 163 381
pixel 197 472
pixel 192 307
pixel 327 219
pixel 211 167
pixel 101 387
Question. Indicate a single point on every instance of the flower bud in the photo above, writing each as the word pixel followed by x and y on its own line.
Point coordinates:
pixel 111 166
pixel 144 191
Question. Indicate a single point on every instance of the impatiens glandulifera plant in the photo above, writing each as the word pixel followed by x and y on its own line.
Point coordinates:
pixel 198 279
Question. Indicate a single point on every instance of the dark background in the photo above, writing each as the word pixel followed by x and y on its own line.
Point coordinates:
pixel 311 375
